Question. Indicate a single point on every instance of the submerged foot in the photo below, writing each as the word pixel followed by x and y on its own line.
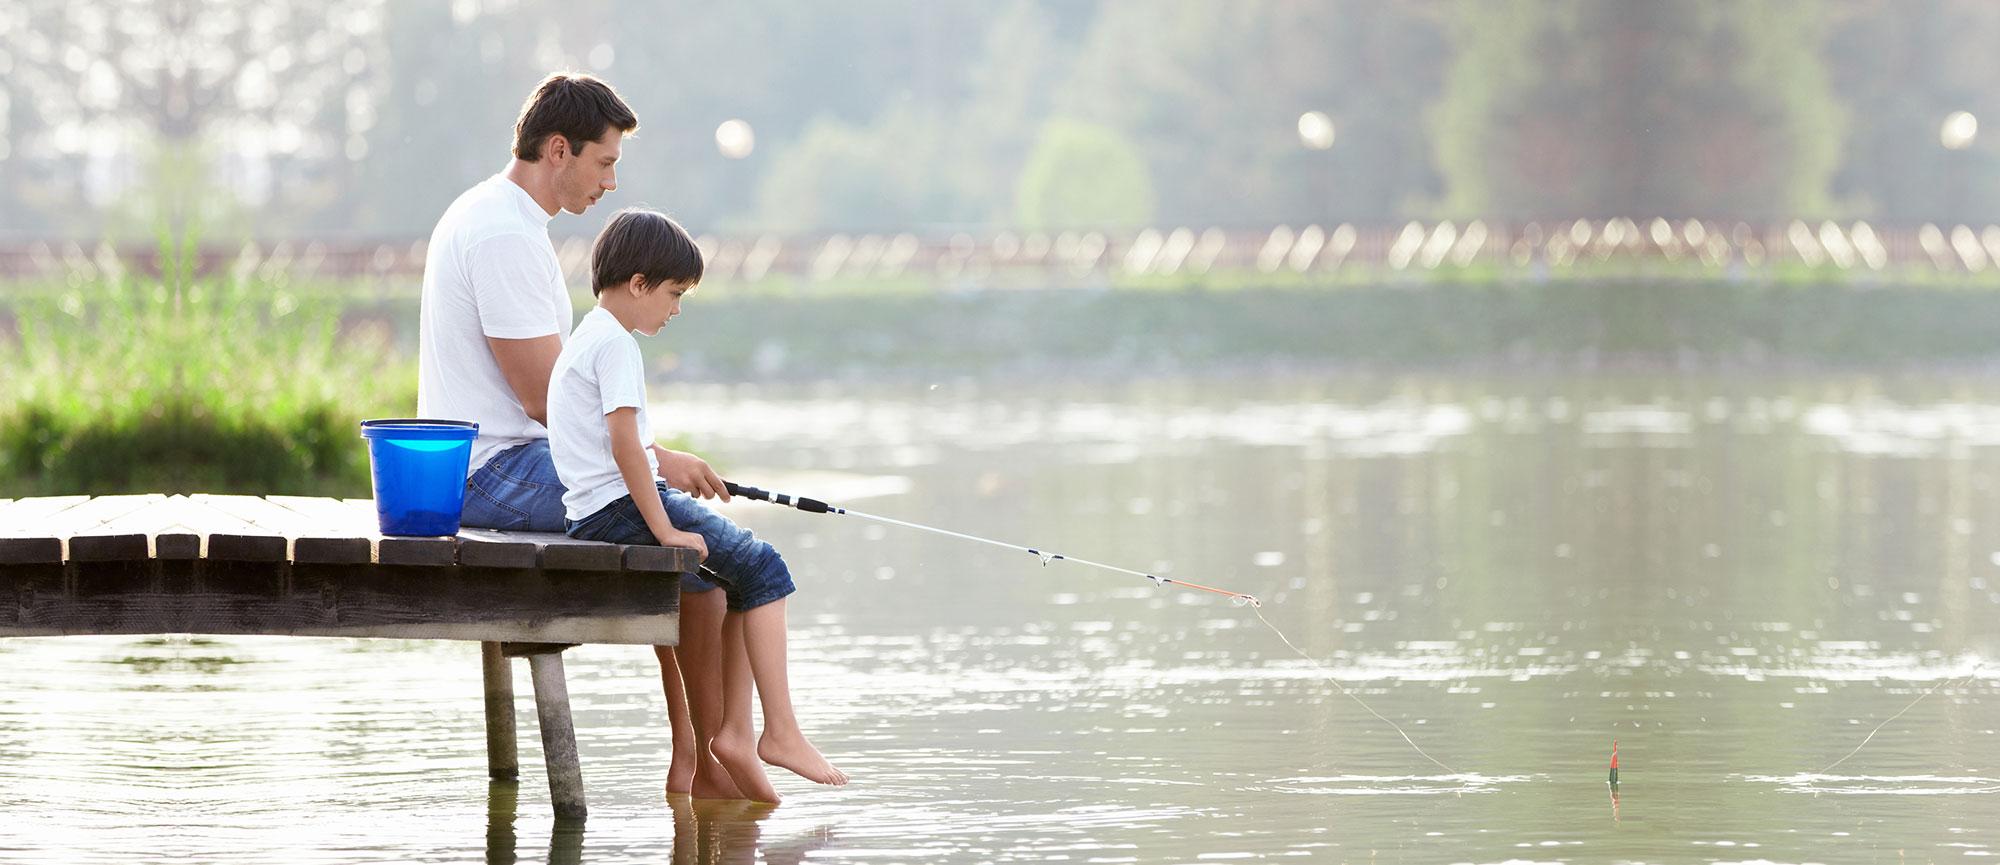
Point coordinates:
pixel 734 752
pixel 799 755
pixel 681 772
pixel 712 781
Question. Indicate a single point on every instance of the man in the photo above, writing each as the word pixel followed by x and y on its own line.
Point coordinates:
pixel 494 316
pixel 495 310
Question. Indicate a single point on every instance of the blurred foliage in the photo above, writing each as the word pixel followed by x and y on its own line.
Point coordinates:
pixel 137 383
pixel 1084 174
pixel 360 117
pixel 1679 107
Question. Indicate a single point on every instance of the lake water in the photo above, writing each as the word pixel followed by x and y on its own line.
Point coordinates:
pixel 1735 580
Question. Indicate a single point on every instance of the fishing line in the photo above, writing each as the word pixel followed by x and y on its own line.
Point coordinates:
pixel 1913 704
pixel 819 507
pixel 1349 694
pixel 1237 598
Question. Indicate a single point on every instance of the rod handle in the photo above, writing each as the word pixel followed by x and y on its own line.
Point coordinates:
pixel 736 489
pixel 802 503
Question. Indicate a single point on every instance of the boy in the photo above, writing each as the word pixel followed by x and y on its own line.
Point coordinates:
pixel 641 265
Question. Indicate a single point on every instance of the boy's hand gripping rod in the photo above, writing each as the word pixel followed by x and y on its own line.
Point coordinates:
pixel 819 507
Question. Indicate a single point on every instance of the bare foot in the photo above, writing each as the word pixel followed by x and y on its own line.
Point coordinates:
pixel 712 781
pixel 798 755
pixel 681 772
pixel 734 752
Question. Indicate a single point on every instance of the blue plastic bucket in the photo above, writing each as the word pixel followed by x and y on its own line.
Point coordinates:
pixel 419 468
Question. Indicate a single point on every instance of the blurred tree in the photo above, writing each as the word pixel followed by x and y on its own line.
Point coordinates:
pixel 365 117
pixel 1084 175
pixel 1212 94
pixel 1903 67
pixel 796 73
pixel 1637 108
pixel 271 95
pixel 452 84
pixel 923 162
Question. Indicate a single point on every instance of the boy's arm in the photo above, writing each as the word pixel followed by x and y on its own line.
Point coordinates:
pixel 630 455
pixel 689 474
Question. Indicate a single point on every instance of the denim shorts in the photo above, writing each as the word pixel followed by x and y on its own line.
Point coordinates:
pixel 518 491
pixel 749 570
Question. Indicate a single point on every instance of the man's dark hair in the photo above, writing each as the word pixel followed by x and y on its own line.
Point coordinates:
pixel 641 242
pixel 576 106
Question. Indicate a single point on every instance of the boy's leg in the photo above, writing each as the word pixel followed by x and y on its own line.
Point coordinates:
pixel 757 581
pixel 701 651
pixel 782 744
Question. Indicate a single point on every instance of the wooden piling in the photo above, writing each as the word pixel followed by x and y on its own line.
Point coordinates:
pixel 558 735
pixel 503 758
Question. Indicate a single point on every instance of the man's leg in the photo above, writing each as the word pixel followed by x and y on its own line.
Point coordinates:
pixel 702 670
pixel 517 491
pixel 680 772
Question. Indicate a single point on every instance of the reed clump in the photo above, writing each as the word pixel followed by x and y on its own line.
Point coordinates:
pixel 132 382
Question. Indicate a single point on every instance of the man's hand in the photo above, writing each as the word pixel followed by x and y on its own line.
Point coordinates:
pixel 690 474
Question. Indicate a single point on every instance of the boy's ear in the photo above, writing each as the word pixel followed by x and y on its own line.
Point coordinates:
pixel 637 284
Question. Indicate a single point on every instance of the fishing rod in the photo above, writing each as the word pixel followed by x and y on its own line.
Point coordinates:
pixel 815 506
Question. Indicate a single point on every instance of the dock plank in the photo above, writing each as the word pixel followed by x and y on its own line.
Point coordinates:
pixel 487 548
pixel 400 550
pixel 25 534
pixel 324 541
pixel 226 538
pixel 157 520
pixel 106 530
pixel 340 534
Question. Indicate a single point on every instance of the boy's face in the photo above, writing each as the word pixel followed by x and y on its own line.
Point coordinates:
pixel 660 305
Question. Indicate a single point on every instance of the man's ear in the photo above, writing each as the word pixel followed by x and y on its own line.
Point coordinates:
pixel 558 146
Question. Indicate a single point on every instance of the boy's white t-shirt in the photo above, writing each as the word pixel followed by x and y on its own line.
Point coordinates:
pixel 490 271
pixel 600 371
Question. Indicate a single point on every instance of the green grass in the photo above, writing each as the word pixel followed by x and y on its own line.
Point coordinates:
pixel 142 383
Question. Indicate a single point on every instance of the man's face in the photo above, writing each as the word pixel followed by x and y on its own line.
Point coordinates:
pixel 587 171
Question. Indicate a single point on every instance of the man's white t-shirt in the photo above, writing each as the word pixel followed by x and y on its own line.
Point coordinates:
pixel 490 271
pixel 600 371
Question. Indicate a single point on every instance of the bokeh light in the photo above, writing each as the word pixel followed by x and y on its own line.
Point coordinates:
pixel 735 138
pixel 1959 129
pixel 1316 130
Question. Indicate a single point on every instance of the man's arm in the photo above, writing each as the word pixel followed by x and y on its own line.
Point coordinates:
pixel 623 424
pixel 689 474
pixel 527 363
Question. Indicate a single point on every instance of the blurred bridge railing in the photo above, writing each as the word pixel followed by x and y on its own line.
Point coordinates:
pixel 1084 258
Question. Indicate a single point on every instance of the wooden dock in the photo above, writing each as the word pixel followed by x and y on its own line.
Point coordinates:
pixel 213 564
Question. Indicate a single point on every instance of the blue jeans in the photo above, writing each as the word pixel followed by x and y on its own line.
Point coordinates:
pixel 750 570
pixel 518 491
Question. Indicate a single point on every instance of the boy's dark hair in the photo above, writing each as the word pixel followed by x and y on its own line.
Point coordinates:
pixel 576 106
pixel 641 242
